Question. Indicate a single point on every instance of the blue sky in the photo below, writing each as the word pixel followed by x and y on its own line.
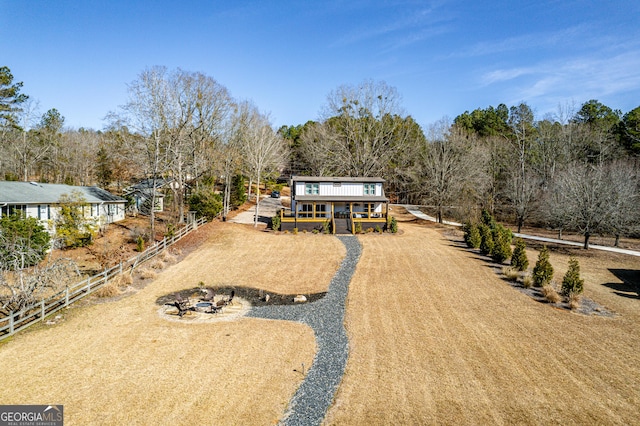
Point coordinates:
pixel 444 57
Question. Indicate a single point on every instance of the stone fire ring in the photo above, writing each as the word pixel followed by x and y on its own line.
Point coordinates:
pixel 236 309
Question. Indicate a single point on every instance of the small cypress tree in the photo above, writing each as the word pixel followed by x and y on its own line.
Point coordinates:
pixel 486 239
pixel 392 225
pixel 572 283
pixel 543 271
pixel 501 249
pixel 472 235
pixel 487 219
pixel 519 258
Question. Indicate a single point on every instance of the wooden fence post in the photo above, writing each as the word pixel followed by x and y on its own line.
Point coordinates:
pixel 66 297
pixel 42 310
pixel 11 323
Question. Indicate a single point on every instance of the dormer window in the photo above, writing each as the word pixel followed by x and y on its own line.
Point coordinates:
pixel 369 189
pixel 312 189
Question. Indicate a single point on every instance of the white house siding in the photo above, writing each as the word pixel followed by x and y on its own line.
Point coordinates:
pixel 347 189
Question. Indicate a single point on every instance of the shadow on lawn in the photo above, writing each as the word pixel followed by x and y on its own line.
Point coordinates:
pixel 630 285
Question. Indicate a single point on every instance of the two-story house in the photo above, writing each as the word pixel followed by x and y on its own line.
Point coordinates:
pixel 347 204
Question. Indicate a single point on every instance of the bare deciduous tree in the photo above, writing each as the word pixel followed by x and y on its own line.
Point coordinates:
pixel 264 151
pixel 450 168
pixel 362 130
pixel 24 287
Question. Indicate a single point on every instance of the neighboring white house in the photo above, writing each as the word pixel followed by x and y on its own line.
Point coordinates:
pixel 41 200
pixel 344 202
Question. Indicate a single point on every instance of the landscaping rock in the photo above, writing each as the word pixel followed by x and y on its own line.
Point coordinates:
pixel 300 299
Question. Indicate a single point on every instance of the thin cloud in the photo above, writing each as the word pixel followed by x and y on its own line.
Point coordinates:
pixel 418 24
pixel 519 43
pixel 583 77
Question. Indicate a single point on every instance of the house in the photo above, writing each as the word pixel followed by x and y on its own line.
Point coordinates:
pixel 142 193
pixel 345 204
pixel 41 200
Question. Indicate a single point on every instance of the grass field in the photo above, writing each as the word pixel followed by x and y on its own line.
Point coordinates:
pixel 436 336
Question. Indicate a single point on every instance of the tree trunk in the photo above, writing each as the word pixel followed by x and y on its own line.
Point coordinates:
pixel 439 214
pixel 559 233
pixel 586 240
pixel 616 244
pixel 520 223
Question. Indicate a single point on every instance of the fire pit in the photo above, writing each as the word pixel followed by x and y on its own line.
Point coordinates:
pixel 207 307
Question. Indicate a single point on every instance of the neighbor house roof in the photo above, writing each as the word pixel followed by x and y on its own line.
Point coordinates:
pixel 336 179
pixel 48 193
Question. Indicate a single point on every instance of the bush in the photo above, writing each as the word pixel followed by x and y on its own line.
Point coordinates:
pixel 206 204
pixel 472 235
pixel 275 222
pixel 519 258
pixel 73 229
pixel 357 228
pixel 527 281
pixel 486 239
pixel 140 243
pixel 23 241
pixel 550 294
pixel 501 249
pixel 510 273
pixel 326 227
pixel 571 283
pixel 378 229
pixel 238 192
pixel 392 225
pixel 487 219
pixel 543 271
pixel 574 301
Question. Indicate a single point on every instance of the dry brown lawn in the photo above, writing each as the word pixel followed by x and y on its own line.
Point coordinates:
pixel 436 337
pixel 120 363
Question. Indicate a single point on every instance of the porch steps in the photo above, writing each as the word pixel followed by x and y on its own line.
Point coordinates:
pixel 343 226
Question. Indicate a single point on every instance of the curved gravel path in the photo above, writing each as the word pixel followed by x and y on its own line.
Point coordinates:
pixel 326 317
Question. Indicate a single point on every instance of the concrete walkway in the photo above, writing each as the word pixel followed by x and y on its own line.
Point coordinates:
pixel 414 210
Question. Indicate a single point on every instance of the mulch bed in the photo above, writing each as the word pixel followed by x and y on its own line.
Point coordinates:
pixel 253 295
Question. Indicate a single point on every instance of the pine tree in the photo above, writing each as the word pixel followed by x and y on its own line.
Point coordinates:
pixel 571 283
pixel 543 271
pixel 519 258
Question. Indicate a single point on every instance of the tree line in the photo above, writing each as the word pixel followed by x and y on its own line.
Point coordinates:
pixel 575 170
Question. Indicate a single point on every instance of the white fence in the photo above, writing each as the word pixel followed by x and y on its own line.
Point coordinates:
pixel 30 315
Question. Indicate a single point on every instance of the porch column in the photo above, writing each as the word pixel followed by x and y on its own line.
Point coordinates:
pixel 351 218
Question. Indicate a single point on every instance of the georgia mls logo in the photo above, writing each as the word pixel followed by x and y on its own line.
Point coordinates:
pixel 31 415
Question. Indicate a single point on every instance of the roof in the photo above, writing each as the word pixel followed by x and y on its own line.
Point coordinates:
pixel 336 179
pixel 343 198
pixel 48 193
pixel 149 183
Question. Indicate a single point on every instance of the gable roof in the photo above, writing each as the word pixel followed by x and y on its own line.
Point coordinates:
pixel 49 193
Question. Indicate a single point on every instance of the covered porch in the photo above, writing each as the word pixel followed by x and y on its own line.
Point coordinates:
pixel 336 216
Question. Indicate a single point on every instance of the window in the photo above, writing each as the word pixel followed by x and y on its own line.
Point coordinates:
pixel 306 210
pixel 321 210
pixel 369 189
pixel 312 189
pixel 43 212
pixel 11 209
